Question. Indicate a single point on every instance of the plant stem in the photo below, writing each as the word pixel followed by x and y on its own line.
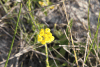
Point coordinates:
pixel 95 37
pixel 13 36
pixel 46 51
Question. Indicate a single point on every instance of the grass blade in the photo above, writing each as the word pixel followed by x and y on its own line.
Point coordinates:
pixel 14 36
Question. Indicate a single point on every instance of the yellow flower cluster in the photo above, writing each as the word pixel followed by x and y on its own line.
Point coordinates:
pixel 45 4
pixel 45 36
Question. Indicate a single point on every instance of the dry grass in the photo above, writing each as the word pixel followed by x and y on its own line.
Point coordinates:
pixel 76 42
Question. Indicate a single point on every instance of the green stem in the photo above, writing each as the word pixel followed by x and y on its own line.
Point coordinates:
pixel 46 50
pixel 95 37
pixel 13 36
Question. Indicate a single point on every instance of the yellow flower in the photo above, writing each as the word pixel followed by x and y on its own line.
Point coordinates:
pixel 49 34
pixel 52 38
pixel 40 38
pixel 46 39
pixel 49 40
pixel 45 36
pixel 51 7
pixel 43 42
pixel 47 30
pixel 41 32
pixel 42 3
pixel 46 4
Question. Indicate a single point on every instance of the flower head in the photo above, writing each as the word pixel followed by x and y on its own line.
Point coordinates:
pixel 41 32
pixel 40 38
pixel 43 42
pixel 47 30
pixel 45 36
pixel 46 4
pixel 51 7
pixel 42 3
